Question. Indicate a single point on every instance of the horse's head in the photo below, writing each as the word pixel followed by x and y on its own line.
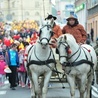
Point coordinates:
pixel 63 47
pixel 45 32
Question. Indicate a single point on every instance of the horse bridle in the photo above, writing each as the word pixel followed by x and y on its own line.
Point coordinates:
pixel 48 26
pixel 67 48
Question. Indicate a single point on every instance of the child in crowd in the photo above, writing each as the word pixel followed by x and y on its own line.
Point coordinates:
pixel 21 69
pixel 2 67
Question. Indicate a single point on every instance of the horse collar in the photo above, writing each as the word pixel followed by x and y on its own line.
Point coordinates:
pixel 38 58
pixel 39 62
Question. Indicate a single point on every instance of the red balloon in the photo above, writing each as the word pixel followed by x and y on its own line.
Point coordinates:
pixel 7 42
pixel 16 37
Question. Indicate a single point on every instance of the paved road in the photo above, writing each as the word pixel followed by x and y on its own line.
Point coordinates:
pixel 54 92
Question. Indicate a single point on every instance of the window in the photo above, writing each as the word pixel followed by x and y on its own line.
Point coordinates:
pixel 36 13
pixel 27 13
pixel 13 14
pixel 37 4
pixel 13 4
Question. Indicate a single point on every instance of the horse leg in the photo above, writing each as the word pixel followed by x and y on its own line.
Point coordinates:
pixel 41 84
pixel 32 90
pixel 71 81
pixel 32 84
pixel 90 79
pixel 45 86
pixel 83 82
pixel 36 85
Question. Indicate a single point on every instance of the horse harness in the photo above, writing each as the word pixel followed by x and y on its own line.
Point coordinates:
pixel 75 62
pixel 38 61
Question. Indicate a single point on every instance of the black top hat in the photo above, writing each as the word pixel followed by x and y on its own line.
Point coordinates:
pixel 50 17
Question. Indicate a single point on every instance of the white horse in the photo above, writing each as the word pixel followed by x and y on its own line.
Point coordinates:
pixel 79 62
pixel 41 61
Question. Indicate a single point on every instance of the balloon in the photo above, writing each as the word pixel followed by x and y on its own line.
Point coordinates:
pixel 7 42
pixel 16 37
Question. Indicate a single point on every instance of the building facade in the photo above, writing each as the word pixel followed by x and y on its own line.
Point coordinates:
pixel 62 9
pixel 81 12
pixel 24 9
pixel 92 19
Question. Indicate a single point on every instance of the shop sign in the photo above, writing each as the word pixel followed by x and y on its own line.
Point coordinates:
pixel 79 8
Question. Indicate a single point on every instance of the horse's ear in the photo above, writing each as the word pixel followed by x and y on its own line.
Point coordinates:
pixel 65 37
pixel 52 22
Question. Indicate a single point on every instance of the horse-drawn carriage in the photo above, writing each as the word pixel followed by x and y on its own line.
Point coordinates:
pixel 79 63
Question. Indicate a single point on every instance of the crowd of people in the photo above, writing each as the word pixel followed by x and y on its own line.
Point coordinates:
pixel 14 37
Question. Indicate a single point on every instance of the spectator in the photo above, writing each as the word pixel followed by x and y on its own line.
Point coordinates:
pixel 13 63
pixel 2 67
pixel 92 34
pixel 88 40
pixel 21 69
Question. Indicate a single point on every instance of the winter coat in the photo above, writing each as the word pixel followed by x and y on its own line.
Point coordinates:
pixel 2 67
pixel 12 58
pixel 57 31
pixel 77 31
